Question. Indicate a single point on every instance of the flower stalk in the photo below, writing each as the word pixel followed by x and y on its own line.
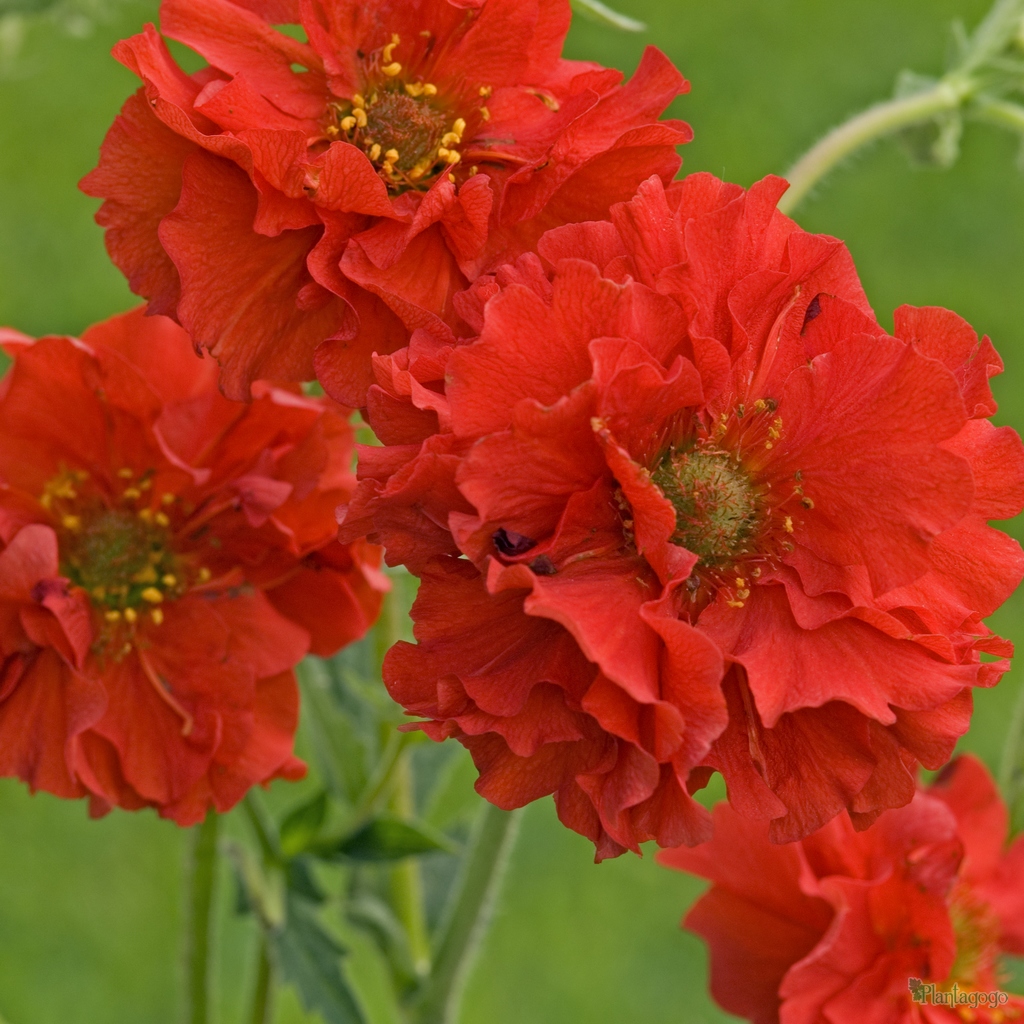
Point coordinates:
pixel 262 997
pixel 462 933
pixel 963 89
pixel 202 891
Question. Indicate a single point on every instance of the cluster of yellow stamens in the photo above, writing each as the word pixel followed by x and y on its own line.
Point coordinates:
pixel 119 551
pixel 730 508
pixel 403 133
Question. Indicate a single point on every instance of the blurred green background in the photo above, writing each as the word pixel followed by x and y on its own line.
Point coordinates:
pixel 90 913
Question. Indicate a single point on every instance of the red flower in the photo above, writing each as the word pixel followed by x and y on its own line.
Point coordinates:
pixel 168 557
pixel 684 441
pixel 903 923
pixel 345 188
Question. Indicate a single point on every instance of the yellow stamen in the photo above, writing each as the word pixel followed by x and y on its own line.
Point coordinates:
pixel 358 100
pixel 485 113
pixel 130 615
pixel 161 519
pixel 442 152
pixel 152 596
pixel 169 580
pixel 429 90
pixel 392 156
pixel 348 123
pixel 486 91
pixel 125 474
pixel 360 115
pixel 375 152
pixel 132 494
pixel 168 499
pixel 451 139
pixel 454 157
pixel 391 70
pixel 414 89
pixel 807 503
pixel 331 132
pixel 389 50
pixel 157 616
pixel 788 524
pixel 72 523
pixel 205 575
pixel 459 127
pixel 451 178
pixel 147 575
pixel 99 593
pixel 113 615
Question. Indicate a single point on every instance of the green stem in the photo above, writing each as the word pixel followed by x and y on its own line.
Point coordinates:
pixel 604 15
pixel 406 878
pixel 262 997
pixel 989 39
pixel 1000 113
pixel 1011 766
pixel 873 124
pixel 463 932
pixel 203 883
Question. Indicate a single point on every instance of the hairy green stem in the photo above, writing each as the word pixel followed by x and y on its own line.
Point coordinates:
pixel 1001 113
pixel 874 123
pixel 466 925
pixel 602 13
pixel 406 878
pixel 1011 766
pixel 262 996
pixel 961 85
pixel 202 889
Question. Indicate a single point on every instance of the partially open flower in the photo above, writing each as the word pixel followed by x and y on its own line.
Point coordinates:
pixel 347 186
pixel 905 922
pixel 168 557
pixel 684 442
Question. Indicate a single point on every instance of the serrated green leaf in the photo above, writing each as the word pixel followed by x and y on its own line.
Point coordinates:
pixel 309 959
pixel 301 881
pixel 388 838
pixel 300 828
pixel 597 11
pixel 339 743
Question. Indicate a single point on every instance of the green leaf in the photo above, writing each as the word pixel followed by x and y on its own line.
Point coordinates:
pixel 599 12
pixel 301 881
pixel 339 742
pixel 308 958
pixel 388 838
pixel 300 828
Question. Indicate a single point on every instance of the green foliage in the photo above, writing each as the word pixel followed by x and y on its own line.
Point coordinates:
pixel 306 956
pixel 388 838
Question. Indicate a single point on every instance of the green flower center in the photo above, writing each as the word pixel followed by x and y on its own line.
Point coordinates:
pixel 715 503
pixel 121 560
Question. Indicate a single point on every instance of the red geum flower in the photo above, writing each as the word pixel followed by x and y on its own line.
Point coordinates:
pixel 168 557
pixel 345 188
pixel 849 927
pixel 685 438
